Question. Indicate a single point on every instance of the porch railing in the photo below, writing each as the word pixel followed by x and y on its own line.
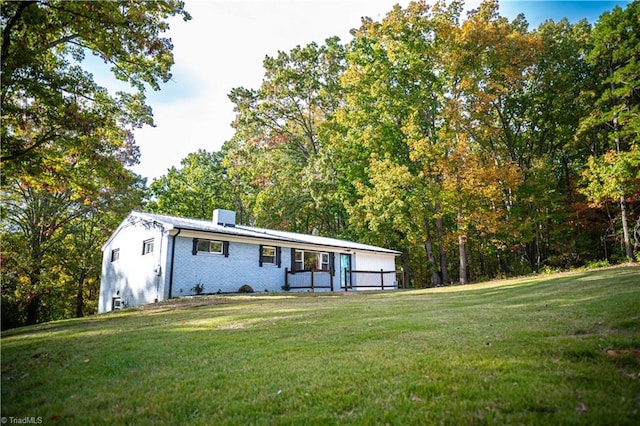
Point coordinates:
pixel 374 283
pixel 311 279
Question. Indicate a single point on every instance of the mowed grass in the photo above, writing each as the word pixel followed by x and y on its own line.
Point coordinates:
pixel 559 349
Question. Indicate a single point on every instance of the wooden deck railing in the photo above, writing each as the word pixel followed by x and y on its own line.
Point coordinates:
pixel 349 274
pixel 313 283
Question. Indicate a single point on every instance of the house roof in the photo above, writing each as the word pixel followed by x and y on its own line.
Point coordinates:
pixel 173 222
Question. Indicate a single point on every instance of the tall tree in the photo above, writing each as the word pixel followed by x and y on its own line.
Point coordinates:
pixel 615 118
pixel 40 214
pixel 489 88
pixel 390 122
pixel 278 144
pixel 425 93
pixel 66 140
pixel 44 90
pixel 549 200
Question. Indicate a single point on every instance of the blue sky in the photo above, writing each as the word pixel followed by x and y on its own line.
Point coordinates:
pixel 224 45
pixel 539 11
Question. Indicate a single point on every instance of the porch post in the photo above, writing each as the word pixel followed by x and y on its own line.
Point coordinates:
pixel 312 290
pixel 331 270
pixel 286 277
pixel 382 278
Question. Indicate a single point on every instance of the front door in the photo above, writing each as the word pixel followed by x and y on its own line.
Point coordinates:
pixel 345 265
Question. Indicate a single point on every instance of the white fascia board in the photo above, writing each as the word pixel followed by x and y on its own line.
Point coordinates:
pixel 127 222
pixel 277 242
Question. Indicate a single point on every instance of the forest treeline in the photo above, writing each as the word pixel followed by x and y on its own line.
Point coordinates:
pixel 477 146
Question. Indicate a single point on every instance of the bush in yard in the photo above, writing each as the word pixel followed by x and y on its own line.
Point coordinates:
pixel 245 289
pixel 198 288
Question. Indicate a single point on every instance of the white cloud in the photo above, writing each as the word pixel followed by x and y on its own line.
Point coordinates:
pixel 223 47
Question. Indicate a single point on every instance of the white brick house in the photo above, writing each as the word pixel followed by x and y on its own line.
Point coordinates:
pixel 152 257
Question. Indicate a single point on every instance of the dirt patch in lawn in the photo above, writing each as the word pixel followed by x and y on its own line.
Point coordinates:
pixel 632 352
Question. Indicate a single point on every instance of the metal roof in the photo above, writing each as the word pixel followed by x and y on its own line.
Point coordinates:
pixel 258 233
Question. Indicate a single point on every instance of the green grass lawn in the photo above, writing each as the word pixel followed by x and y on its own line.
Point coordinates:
pixel 561 349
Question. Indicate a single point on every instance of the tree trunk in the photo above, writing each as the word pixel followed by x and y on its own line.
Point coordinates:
pixel 33 299
pixel 530 250
pixel 463 259
pixel 462 250
pixel 80 296
pixel 625 229
pixel 435 277
pixel 406 277
pixel 33 306
pixel 444 274
pixel 623 205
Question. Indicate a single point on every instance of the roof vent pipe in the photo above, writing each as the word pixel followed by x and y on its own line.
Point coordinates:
pixel 224 217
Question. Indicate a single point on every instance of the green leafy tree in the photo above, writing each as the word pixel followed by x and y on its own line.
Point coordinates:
pixel 278 151
pixel 46 219
pixel 195 189
pixel 390 124
pixel 66 140
pixel 424 97
pixel 488 66
pixel 554 229
pixel 614 121
pixel 47 96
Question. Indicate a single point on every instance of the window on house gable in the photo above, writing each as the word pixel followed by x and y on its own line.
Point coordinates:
pixel 209 246
pixel 147 246
pixel 115 254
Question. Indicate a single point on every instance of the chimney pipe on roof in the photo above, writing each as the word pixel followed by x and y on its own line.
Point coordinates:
pixel 224 217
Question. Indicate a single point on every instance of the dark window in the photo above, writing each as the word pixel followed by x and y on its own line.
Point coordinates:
pixel 306 260
pixel 299 261
pixel 147 246
pixel 323 261
pixel 268 254
pixel 209 246
pixel 115 254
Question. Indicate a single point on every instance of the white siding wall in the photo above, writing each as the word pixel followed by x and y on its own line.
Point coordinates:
pixel 133 276
pixel 366 261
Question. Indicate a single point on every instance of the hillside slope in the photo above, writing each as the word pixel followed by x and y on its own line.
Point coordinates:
pixel 557 349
